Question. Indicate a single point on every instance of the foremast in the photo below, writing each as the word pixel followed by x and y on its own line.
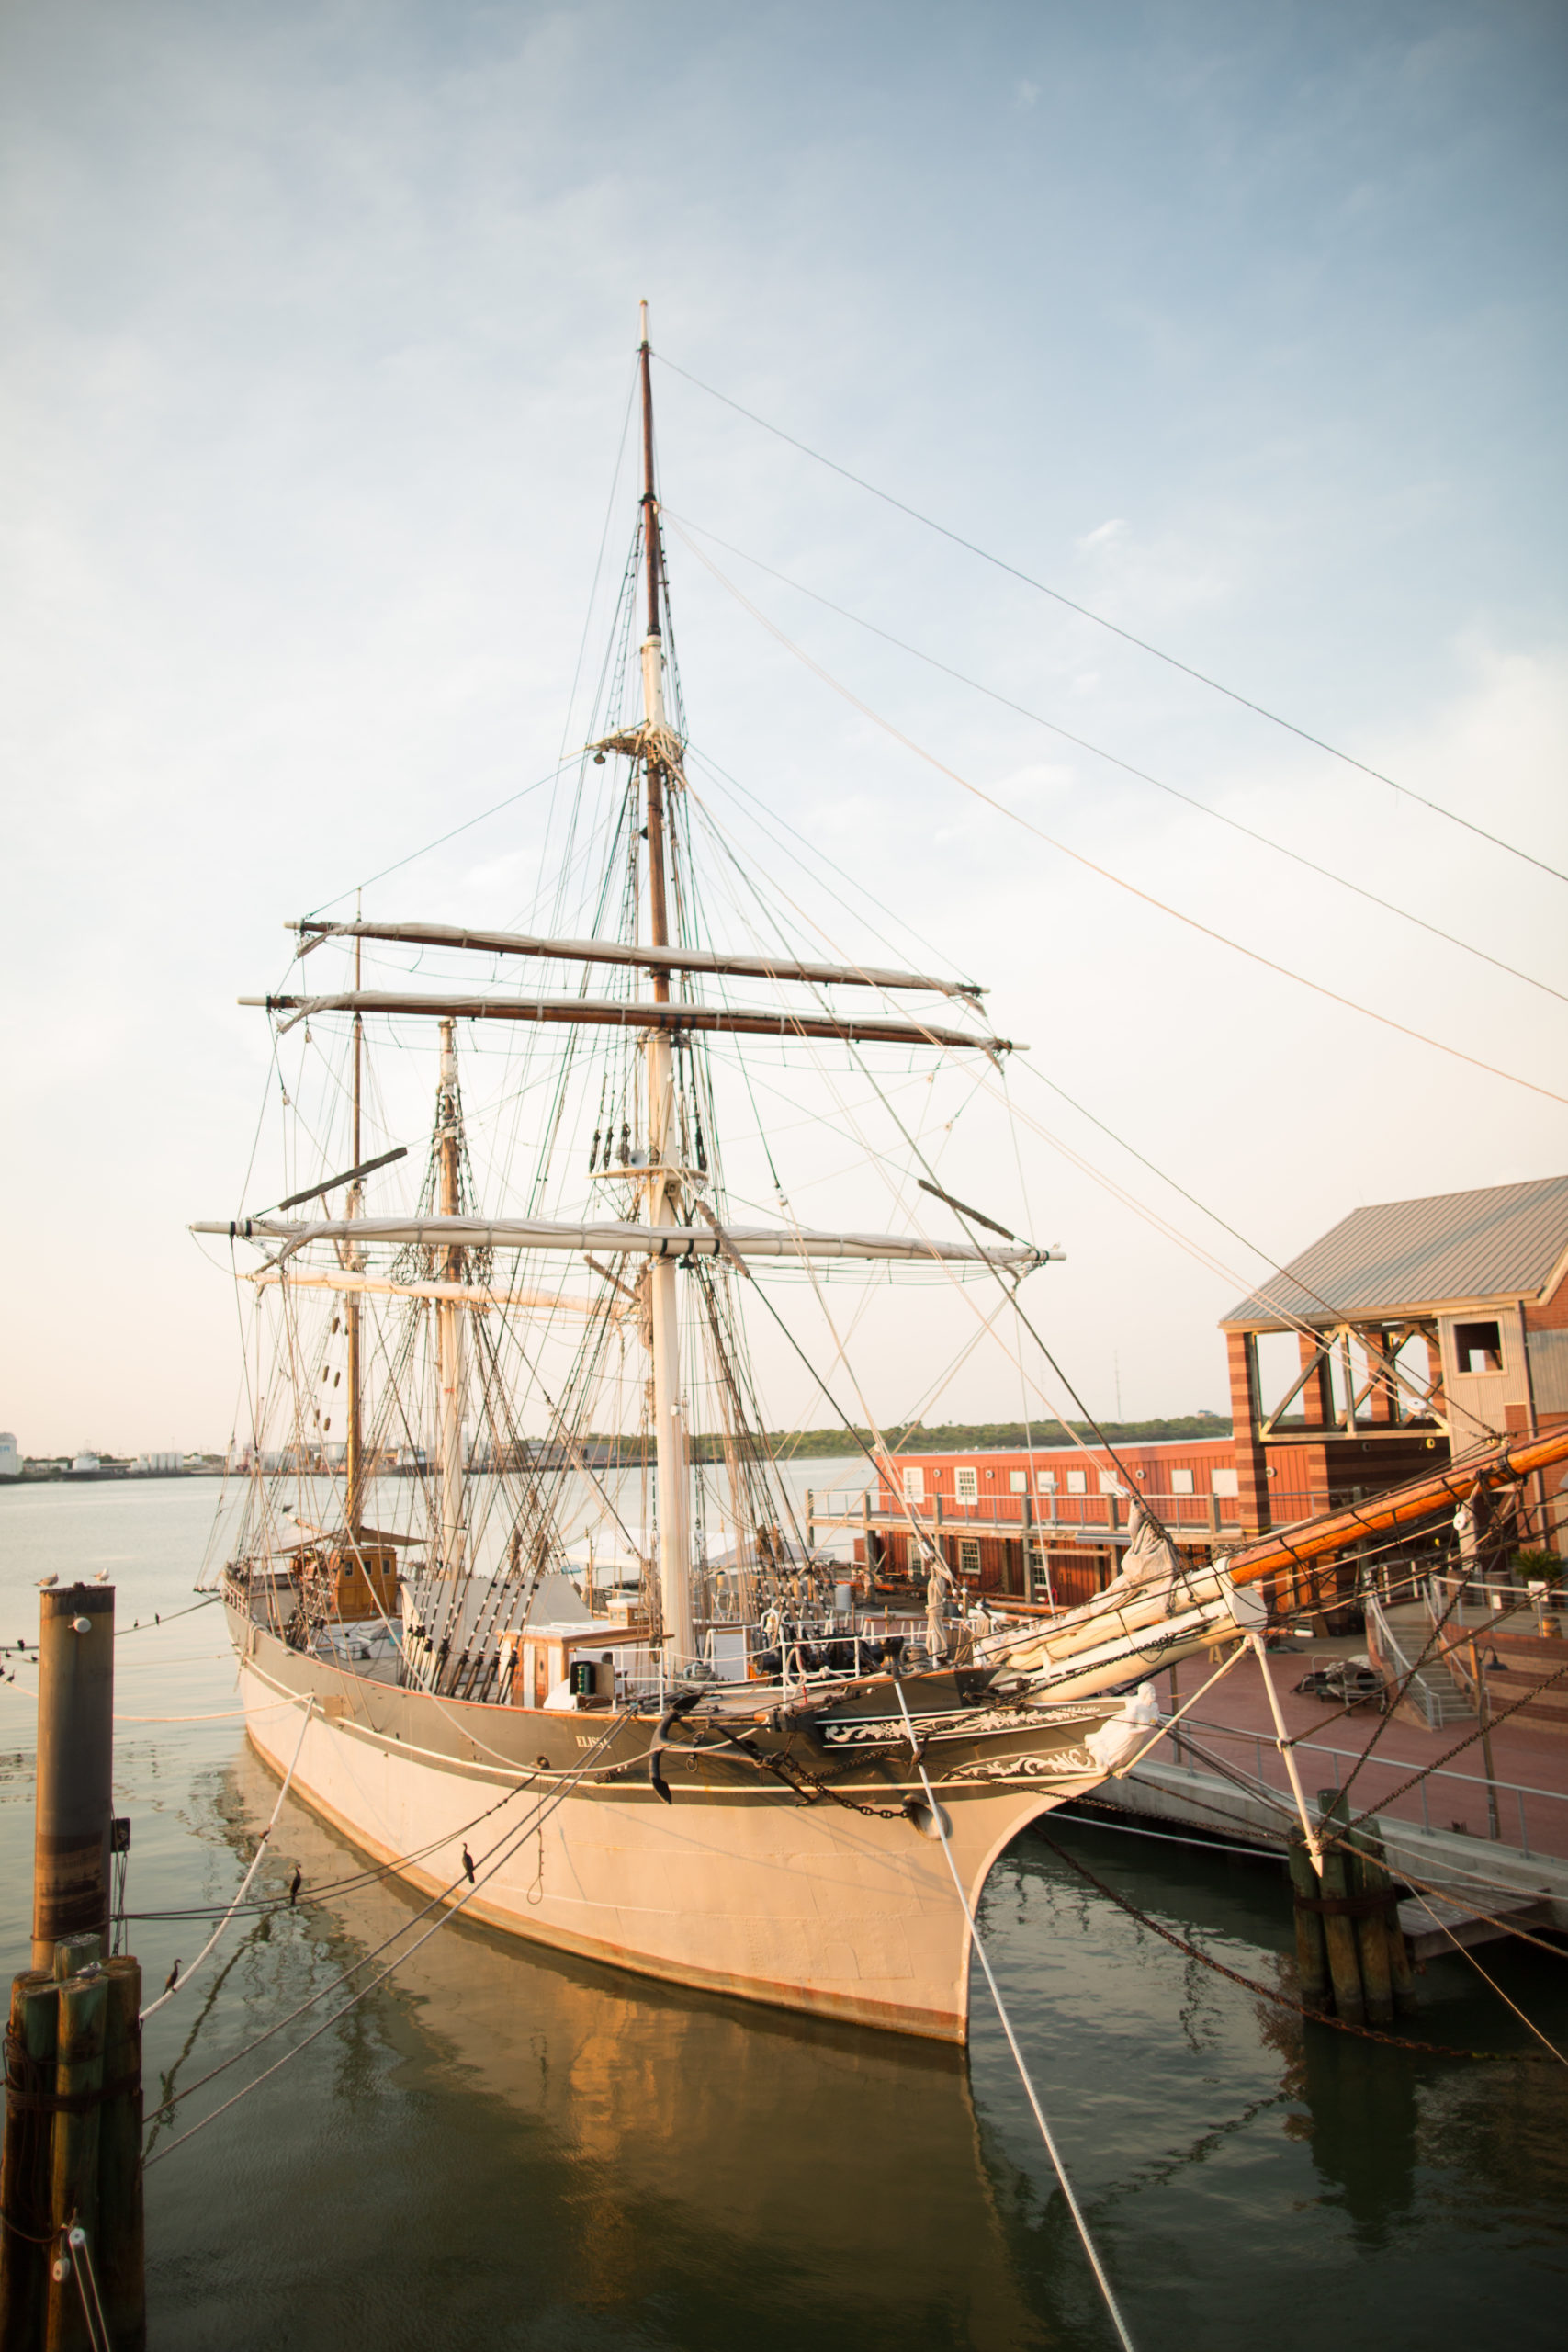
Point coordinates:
pixel 663 1176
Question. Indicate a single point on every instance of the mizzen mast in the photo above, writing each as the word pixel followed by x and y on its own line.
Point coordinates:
pixel 668 1428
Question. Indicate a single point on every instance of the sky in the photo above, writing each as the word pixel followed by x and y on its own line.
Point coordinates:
pixel 1240 325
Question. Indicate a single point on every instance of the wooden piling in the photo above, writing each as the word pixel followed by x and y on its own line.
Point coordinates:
pixel 1312 1963
pixel 120 2251
pixel 75 1761
pixel 73 2156
pixel 24 2159
pixel 1366 1876
pixel 1339 1931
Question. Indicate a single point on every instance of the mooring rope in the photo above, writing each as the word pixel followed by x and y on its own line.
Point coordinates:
pixel 1270 1992
pixel 170 1990
pixel 940 1821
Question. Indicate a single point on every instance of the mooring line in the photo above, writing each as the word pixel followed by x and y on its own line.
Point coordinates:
pixel 1073 2207
pixel 170 1990
pixel 1270 1993
pixel 511 1840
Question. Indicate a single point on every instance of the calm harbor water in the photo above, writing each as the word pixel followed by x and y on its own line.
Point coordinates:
pixel 500 2147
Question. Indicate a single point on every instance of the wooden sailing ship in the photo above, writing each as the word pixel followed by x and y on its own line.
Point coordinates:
pixel 713 1767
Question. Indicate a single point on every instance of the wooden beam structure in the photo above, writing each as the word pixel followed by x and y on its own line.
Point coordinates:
pixel 630 1013
pixel 631 953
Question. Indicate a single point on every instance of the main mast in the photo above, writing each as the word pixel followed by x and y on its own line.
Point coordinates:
pixel 354 1497
pixel 669 1429
pixel 450 1368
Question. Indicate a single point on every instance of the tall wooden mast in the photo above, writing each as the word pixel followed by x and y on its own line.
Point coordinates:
pixel 663 1206
pixel 449 1324
pixel 354 1498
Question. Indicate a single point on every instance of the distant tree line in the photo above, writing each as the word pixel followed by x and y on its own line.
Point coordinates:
pixel 946 1437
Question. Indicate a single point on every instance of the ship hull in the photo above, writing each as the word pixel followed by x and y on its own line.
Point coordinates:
pixel 734 1881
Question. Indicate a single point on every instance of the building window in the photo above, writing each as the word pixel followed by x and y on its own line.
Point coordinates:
pixel 1078 1482
pixel 1110 1484
pixel 969 1557
pixel 914 1486
pixel 1478 1347
pixel 1224 1482
pixel 967 1484
pixel 1018 1482
pixel 1046 1481
pixel 1181 1482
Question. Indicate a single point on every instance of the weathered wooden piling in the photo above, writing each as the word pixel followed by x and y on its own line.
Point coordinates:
pixel 74 2158
pixel 121 2251
pixel 71 2210
pixel 1351 1955
pixel 1311 1961
pixel 24 2164
pixel 1338 1930
pixel 75 1767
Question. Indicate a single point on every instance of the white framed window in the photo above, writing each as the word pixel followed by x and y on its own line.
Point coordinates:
pixel 1046 1481
pixel 966 1483
pixel 969 1557
pixel 1110 1484
pixel 1018 1482
pixel 914 1486
pixel 1224 1482
pixel 1078 1482
pixel 1181 1482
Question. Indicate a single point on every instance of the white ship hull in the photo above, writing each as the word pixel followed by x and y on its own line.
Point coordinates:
pixel 742 1889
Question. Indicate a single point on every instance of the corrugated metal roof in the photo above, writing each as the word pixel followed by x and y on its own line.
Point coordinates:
pixel 1499 1243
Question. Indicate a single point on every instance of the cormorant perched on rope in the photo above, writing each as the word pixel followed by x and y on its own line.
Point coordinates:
pixel 468 1864
pixel 295 1884
pixel 173 1978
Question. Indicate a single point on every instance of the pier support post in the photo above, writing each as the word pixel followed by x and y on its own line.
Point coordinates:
pixel 23 2161
pixel 121 2254
pixel 74 2163
pixel 1338 1930
pixel 75 1764
pixel 1312 1963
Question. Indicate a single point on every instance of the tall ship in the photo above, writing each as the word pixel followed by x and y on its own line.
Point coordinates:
pixel 541 1627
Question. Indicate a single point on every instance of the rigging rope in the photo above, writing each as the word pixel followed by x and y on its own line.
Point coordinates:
pixel 1105 872
pixel 170 1990
pixel 940 1821
pixel 1142 775
pixel 1101 621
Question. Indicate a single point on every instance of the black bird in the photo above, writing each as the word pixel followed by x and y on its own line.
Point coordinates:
pixel 468 1864
pixel 173 1978
pixel 295 1884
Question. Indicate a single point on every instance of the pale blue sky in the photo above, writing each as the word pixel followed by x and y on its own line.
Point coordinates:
pixel 1243 324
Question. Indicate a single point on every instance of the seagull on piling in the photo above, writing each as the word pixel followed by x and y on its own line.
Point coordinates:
pixel 102 1576
pixel 173 1978
pixel 44 1582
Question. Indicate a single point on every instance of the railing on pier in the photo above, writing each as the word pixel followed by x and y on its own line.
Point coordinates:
pixel 1045 1517
pixel 1549 1836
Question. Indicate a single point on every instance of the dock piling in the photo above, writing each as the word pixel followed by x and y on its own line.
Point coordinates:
pixel 70 2160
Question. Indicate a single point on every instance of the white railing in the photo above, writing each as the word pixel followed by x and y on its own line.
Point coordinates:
pixel 1438 1705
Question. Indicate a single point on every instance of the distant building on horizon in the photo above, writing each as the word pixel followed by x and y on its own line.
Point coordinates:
pixel 10 1459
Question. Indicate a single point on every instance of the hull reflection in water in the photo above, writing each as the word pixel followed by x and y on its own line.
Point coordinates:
pixel 672 2137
